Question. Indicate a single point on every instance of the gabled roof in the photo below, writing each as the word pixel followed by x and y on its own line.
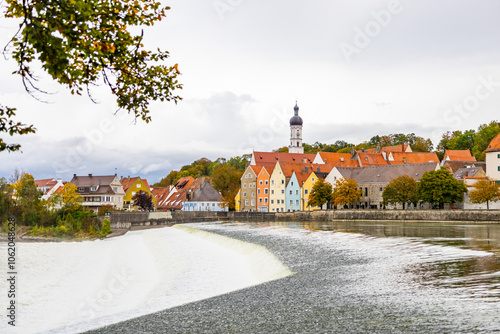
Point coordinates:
pixel 270 158
pixel 383 174
pixel 458 155
pixel 184 182
pixel 494 145
pixel 396 148
pixel 453 166
pixel 413 157
pixel 46 184
pixel 205 193
pixel 334 159
pixel 463 173
pixel 128 182
pixel 91 180
pixel 371 159
pixel 268 169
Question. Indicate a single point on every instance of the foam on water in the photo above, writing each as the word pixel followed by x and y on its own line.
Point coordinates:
pixel 72 287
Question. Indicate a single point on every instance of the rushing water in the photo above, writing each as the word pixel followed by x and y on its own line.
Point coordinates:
pixel 347 277
pixel 76 286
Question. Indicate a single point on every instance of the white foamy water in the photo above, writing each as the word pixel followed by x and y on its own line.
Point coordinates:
pixel 77 286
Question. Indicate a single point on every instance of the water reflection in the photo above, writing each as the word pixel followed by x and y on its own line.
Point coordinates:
pixel 476 276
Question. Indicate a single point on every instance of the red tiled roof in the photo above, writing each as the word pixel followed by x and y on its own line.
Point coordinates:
pixel 300 170
pixel 494 145
pixel 413 157
pixel 371 159
pixel 458 155
pixel 270 158
pixel 396 148
pixel 334 159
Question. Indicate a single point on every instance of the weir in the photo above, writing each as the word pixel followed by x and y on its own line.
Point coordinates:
pixel 136 220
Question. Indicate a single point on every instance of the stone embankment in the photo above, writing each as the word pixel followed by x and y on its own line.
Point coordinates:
pixel 138 220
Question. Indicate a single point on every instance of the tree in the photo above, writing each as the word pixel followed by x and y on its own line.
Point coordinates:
pixel 485 133
pixel 82 43
pixel 11 127
pixel 346 192
pixel 401 190
pixel 485 191
pixel 27 200
pixel 226 180
pixel 143 200
pixel 6 202
pixel 321 193
pixel 440 187
pixel 70 197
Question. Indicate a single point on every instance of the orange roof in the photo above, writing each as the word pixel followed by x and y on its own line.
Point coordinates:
pixel 256 169
pixel 371 159
pixel 269 170
pixel 184 182
pixel 458 155
pixel 300 170
pixel 335 159
pixel 270 158
pixel 396 148
pixel 46 183
pixel 494 145
pixel 413 157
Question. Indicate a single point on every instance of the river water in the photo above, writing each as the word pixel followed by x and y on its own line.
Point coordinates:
pixel 241 277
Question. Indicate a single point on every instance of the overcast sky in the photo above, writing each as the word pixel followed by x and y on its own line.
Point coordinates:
pixel 356 68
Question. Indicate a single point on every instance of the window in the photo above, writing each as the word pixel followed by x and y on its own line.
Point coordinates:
pixel 283 181
pixel 115 189
pixel 381 189
pixel 260 182
pixel 312 179
pixel 265 200
pixel 498 156
pixel 272 191
pixel 296 192
pixel 296 202
pixel 213 204
pixel 133 193
pixel 138 185
pixel 93 188
pixel 305 191
pixel 244 185
pixel 272 182
pixel 258 191
pixel 292 183
pixel 282 191
pixel 366 191
pixel 253 194
pixel 290 192
pixel 272 202
pixel 267 182
pixel 81 189
pixel 291 202
pixel 246 202
pixel 499 168
pixel 266 191
pixel 245 194
pixel 260 199
pixel 253 202
pixel 249 176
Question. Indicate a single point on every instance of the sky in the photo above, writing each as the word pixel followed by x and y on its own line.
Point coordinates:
pixel 356 69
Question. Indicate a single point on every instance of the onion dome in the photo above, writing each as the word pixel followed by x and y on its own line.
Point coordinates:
pixel 296 119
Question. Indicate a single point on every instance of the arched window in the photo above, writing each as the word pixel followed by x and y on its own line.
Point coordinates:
pixel 297 144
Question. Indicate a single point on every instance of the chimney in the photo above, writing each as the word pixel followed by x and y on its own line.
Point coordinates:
pixel 90 175
pixel 74 176
pixel 404 160
pixel 402 147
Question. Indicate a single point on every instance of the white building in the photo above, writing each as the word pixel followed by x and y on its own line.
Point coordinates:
pixel 493 159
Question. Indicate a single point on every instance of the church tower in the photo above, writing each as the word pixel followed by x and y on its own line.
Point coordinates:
pixel 296 132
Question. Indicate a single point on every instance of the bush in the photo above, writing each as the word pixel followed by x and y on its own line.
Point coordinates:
pixel 61 231
pixel 106 227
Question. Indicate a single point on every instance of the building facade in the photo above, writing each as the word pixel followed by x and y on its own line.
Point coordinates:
pixel 296 132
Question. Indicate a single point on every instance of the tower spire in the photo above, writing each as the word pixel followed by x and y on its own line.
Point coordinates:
pixel 296 132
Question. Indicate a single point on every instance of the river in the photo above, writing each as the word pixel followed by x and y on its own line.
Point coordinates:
pixel 241 277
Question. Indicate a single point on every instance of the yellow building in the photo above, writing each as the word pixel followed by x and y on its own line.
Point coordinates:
pixel 237 200
pixel 131 186
pixel 306 190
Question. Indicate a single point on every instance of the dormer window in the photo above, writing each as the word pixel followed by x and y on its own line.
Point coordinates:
pixel 93 188
pixel 81 189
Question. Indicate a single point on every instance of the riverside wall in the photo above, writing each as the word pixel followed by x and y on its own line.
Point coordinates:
pixel 131 220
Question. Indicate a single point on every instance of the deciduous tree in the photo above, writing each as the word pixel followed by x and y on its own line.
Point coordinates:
pixel 401 190
pixel 143 200
pixel 440 187
pixel 346 192
pixel 321 193
pixel 226 180
pixel 83 43
pixel 485 191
